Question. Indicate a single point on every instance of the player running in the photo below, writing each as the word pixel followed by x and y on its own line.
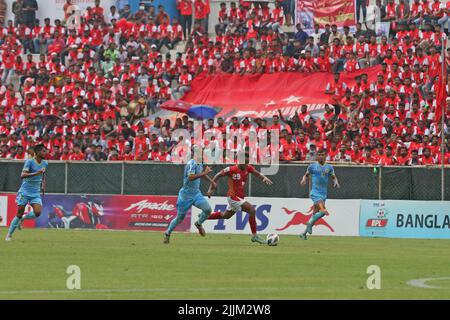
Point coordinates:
pixel 33 182
pixel 190 195
pixel 320 172
pixel 237 179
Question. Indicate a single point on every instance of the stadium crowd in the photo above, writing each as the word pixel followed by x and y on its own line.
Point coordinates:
pixel 97 81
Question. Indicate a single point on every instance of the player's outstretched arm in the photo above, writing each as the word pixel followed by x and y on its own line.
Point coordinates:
pixel 335 181
pixel 211 180
pixel 304 179
pixel 262 177
pixel 200 175
pixel 26 174
pixel 213 185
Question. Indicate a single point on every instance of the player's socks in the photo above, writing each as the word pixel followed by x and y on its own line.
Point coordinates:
pixel 173 224
pixel 252 222
pixel 215 216
pixel 255 237
pixel 13 226
pixel 203 217
pixel 316 216
pixel 200 228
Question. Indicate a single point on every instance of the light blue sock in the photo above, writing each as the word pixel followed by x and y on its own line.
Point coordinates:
pixel 13 226
pixel 30 215
pixel 206 211
pixel 203 216
pixel 316 216
pixel 173 224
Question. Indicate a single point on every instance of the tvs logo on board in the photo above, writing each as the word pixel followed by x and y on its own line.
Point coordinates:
pixel 300 218
pixel 262 214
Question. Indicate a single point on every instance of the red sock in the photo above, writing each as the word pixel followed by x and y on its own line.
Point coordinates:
pixel 215 216
pixel 252 222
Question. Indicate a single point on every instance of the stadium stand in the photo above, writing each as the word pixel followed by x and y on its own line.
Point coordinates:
pixel 87 92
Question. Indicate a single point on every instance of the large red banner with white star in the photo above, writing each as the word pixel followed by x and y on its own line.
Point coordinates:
pixel 261 95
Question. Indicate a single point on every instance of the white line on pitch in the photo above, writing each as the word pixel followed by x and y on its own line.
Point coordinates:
pixel 422 283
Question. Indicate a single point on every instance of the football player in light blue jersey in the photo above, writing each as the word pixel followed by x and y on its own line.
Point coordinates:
pixel 320 173
pixel 190 195
pixel 33 182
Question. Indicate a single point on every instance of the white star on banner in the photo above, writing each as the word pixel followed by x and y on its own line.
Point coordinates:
pixel 270 103
pixel 292 99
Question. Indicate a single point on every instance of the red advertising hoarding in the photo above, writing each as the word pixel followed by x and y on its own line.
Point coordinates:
pixel 8 210
pixel 142 213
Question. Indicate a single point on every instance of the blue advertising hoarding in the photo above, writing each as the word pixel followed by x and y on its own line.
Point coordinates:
pixel 405 219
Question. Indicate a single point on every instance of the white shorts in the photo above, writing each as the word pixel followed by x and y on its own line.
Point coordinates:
pixel 235 205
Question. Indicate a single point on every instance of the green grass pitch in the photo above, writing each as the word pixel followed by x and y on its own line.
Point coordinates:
pixel 137 265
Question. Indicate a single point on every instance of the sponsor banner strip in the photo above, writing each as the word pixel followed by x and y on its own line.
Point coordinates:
pixel 100 212
pixel 405 219
pixel 389 218
pixel 286 216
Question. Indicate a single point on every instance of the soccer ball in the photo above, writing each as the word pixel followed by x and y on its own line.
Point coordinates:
pixel 273 239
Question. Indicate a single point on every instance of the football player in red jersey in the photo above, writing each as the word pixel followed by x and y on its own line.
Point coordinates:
pixel 237 179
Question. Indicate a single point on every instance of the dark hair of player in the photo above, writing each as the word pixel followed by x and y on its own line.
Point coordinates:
pixel 39 148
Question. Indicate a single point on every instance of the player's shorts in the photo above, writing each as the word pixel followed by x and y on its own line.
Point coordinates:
pixel 186 201
pixel 23 200
pixel 318 198
pixel 235 204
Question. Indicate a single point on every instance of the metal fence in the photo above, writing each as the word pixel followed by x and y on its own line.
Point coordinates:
pixel 357 182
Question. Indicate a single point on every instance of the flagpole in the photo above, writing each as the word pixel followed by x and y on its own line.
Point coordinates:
pixel 442 123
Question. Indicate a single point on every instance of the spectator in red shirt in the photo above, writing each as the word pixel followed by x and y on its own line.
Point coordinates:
pixel 20 154
pixel 206 13
pixel 223 19
pixel 388 159
pixel 200 12
pixel 56 154
pixel 162 16
pixel 288 149
pixel 185 8
pixel 77 154
pixel 65 156
pixel 427 158
pixel 367 157
pixel 7 65
pixel 98 12
pixel 403 156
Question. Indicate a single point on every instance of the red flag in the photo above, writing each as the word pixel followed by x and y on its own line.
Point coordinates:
pixel 261 95
pixel 441 93
pixel 176 105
